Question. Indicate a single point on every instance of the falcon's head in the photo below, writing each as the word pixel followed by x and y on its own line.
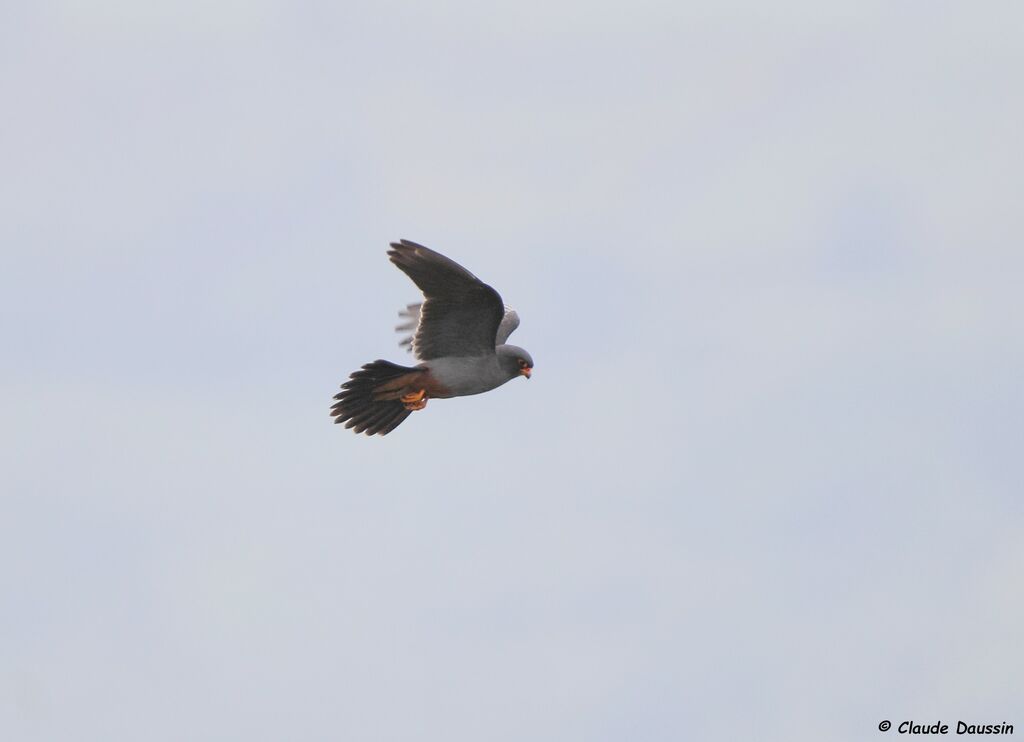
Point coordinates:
pixel 515 361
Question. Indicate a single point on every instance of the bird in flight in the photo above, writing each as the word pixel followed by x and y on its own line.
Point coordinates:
pixel 458 335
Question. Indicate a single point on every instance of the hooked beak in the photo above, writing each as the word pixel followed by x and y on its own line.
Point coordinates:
pixel 526 372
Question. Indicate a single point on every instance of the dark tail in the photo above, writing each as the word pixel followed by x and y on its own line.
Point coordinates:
pixel 357 404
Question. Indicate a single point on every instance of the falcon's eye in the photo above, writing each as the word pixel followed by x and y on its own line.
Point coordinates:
pixel 522 363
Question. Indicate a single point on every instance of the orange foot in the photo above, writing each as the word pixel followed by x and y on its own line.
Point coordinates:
pixel 415 401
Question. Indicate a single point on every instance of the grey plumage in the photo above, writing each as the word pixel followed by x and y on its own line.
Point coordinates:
pixel 458 333
pixel 410 317
pixel 460 314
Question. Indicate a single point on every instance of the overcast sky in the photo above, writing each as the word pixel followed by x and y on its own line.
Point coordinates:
pixel 764 484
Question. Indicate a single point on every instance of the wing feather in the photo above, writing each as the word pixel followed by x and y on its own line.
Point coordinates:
pixel 459 315
pixel 410 317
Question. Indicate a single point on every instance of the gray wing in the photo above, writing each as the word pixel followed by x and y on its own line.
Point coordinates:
pixel 459 315
pixel 508 325
pixel 410 317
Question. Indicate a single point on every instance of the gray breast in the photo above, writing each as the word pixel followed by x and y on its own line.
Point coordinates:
pixel 465 376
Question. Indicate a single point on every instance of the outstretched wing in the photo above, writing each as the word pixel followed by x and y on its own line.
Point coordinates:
pixel 410 317
pixel 508 325
pixel 459 315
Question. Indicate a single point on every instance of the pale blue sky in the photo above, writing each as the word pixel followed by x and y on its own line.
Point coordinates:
pixel 766 480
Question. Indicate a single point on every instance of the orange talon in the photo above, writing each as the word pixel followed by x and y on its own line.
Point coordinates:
pixel 415 400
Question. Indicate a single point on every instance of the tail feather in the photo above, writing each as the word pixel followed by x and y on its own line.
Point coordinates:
pixel 383 422
pixel 359 405
pixel 377 416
